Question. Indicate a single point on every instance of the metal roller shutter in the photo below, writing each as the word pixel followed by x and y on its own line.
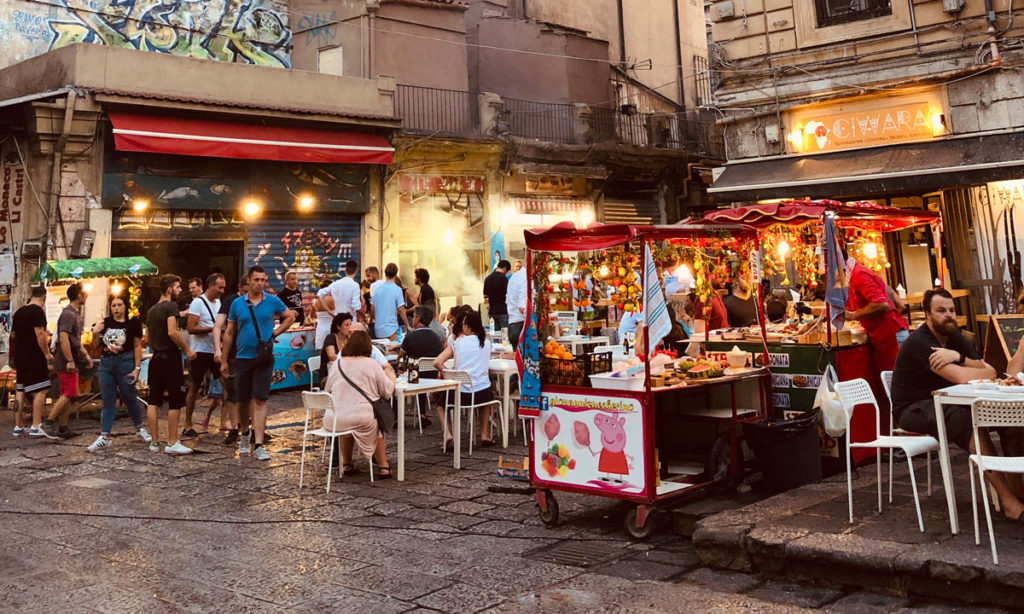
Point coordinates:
pixel 631 212
pixel 313 246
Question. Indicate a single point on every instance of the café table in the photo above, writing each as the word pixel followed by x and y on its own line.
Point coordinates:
pixel 578 341
pixel 504 369
pixel 959 394
pixel 425 385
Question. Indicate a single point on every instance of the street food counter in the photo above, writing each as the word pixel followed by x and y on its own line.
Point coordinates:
pixel 649 429
pixel 292 351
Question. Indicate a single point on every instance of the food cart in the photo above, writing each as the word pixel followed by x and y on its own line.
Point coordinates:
pixel 798 356
pixel 645 438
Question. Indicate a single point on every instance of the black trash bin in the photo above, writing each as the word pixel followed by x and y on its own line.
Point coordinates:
pixel 788 451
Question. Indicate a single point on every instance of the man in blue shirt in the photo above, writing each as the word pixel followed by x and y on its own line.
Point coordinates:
pixel 388 306
pixel 252 379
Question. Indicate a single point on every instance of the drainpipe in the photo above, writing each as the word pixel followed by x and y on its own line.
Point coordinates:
pixel 622 36
pixel 913 26
pixel 58 160
pixel 371 9
pixel 990 15
pixel 679 55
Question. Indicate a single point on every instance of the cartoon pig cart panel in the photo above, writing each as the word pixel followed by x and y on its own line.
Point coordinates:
pixel 625 422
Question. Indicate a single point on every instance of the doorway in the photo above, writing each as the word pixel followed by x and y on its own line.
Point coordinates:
pixel 186 259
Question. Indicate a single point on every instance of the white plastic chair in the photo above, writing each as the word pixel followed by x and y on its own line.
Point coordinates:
pixel 463 378
pixel 858 392
pixel 895 430
pixel 321 401
pixel 987 413
pixel 425 364
pixel 314 372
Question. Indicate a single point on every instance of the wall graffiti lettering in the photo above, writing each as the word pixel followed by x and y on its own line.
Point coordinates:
pixel 178 220
pixel 32 27
pixel 316 253
pixel 319 28
pixel 310 237
pixel 250 31
pixel 12 198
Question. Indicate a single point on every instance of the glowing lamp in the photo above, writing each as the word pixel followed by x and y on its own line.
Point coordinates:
pixel 603 271
pixel 306 203
pixel 448 237
pixel 871 251
pixel 87 287
pixel 251 209
pixel 116 288
pixel 783 248
pixel 139 205
pixel 938 123
pixel 586 217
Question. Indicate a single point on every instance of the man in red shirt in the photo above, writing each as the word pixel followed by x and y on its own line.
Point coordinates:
pixel 715 315
pixel 868 303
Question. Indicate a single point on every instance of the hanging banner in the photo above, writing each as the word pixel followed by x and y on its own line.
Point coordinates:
pixel 12 196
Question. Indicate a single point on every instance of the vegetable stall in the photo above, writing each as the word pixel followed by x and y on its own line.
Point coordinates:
pixel 643 425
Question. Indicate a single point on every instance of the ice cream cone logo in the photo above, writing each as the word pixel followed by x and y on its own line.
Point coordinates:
pixel 820 132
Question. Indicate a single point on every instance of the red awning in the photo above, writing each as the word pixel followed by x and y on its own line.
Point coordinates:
pixel 858 214
pixel 248 141
pixel 566 237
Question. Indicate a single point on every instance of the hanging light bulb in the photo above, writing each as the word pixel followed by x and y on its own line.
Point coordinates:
pixel 871 251
pixel 783 248
pixel 603 271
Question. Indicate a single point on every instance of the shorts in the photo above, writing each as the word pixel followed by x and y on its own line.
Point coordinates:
pixel 214 390
pixel 33 377
pixel 919 417
pixel 68 383
pixel 202 365
pixel 166 377
pixel 251 381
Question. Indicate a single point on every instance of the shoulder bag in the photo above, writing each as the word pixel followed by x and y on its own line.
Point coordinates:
pixel 382 411
pixel 264 349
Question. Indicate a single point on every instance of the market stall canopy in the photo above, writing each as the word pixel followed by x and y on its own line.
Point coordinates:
pixel 893 169
pixel 129 266
pixel 246 140
pixel 567 238
pixel 863 215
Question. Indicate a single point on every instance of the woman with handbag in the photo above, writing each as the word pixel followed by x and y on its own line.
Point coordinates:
pixel 356 384
pixel 471 349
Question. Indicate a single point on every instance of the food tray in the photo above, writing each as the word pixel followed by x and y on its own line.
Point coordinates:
pixel 608 381
pixel 574 371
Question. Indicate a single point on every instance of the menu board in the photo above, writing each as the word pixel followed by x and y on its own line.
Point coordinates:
pixel 1002 338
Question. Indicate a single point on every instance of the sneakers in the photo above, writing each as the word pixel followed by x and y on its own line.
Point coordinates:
pixel 252 436
pixel 144 435
pixel 189 433
pixel 36 431
pixel 154 447
pixel 261 453
pixel 177 448
pixel 243 445
pixel 49 430
pixel 66 433
pixel 232 437
pixel 101 442
pixel 19 431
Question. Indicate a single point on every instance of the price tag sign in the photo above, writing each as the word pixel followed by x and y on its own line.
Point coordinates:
pixel 755 266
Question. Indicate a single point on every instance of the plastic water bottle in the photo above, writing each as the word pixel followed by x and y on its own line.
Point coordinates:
pixel 400 334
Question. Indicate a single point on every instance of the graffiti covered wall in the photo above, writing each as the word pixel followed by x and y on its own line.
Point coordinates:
pixel 244 31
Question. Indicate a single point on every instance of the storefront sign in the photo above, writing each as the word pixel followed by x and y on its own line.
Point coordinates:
pixel 590 441
pixel 441 183
pixel 550 184
pixel 866 123
pixel 12 197
pixel 181 220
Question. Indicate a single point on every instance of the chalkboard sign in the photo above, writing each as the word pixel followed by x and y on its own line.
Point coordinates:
pixel 1001 339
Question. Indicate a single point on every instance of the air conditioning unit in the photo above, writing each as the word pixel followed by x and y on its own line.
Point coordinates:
pixel 953 6
pixel 31 249
pixel 81 246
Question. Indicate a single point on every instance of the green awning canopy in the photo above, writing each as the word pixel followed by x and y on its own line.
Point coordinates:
pixel 63 270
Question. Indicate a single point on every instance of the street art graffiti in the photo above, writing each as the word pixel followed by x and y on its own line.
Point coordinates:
pixel 244 31
pixel 319 28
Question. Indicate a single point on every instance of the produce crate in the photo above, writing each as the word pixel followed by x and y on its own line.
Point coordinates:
pixel 575 371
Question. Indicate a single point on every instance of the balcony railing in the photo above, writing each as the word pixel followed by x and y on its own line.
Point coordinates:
pixel 435 110
pixel 543 121
pixel 454 112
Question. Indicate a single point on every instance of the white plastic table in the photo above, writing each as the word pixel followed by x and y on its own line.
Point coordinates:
pixel 424 386
pixel 504 369
pixel 577 341
pixel 960 394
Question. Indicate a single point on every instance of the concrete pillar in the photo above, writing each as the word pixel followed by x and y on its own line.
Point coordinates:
pixel 581 123
pixel 492 109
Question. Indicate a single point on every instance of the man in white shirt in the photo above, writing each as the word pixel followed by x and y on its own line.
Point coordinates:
pixel 202 316
pixel 515 300
pixel 347 299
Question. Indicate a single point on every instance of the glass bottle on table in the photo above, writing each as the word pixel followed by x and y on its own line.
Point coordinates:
pixel 414 371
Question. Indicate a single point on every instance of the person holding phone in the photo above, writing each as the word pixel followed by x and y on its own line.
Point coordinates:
pixel 120 340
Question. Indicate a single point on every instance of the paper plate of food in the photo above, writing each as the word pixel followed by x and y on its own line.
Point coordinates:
pixel 984 384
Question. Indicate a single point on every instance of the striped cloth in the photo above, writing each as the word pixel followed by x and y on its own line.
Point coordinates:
pixel 656 316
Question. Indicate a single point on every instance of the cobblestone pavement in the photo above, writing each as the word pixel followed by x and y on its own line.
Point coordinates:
pixel 126 530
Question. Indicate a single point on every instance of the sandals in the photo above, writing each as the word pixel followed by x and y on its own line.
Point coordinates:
pixel 486 443
pixel 384 474
pixel 348 469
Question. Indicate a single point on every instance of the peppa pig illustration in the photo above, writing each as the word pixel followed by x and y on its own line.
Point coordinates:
pixel 612 458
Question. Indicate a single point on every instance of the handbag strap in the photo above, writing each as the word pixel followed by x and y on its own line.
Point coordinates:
pixel 353 384
pixel 208 309
pixel 252 312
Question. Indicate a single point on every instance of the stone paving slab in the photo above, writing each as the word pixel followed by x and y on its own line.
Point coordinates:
pixel 805 534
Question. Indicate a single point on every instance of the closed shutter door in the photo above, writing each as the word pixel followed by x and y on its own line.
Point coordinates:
pixel 315 247
pixel 631 212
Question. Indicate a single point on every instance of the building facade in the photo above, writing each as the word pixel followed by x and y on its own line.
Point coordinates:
pixel 907 103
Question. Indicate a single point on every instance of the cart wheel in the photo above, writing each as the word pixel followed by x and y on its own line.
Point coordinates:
pixel 549 517
pixel 637 533
pixel 716 465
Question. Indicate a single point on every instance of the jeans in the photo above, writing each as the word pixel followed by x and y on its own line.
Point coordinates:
pixel 514 331
pixel 114 372
pixel 901 336
pixel 500 321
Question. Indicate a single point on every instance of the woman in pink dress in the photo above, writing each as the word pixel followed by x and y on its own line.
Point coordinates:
pixel 351 411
